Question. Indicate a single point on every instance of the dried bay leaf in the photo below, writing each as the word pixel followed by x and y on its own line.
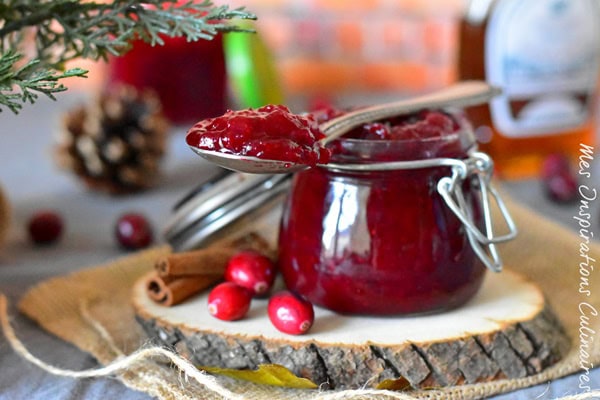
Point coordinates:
pixel 266 374
pixel 400 384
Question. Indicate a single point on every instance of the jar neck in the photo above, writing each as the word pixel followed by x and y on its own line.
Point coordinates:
pixel 359 151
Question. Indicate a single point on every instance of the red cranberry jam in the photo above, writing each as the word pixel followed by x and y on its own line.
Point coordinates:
pixel 383 242
pixel 270 132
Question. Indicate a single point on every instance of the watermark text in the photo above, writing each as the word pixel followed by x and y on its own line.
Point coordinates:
pixel 585 222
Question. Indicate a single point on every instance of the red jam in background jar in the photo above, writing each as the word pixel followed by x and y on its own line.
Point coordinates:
pixel 189 77
pixel 270 132
pixel 383 242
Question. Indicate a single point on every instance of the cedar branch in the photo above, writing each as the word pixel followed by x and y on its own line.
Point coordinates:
pixel 67 29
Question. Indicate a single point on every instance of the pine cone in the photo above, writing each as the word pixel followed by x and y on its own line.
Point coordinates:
pixel 114 145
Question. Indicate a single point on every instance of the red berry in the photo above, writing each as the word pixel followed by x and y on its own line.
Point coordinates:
pixel 45 227
pixel 252 270
pixel 229 301
pixel 554 164
pixel 562 187
pixel 290 313
pixel 559 178
pixel 133 231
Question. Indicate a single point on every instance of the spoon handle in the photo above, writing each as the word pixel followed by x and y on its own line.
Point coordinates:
pixel 461 94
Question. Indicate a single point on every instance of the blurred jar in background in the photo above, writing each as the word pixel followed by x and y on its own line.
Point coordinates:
pixel 545 56
pixel 189 77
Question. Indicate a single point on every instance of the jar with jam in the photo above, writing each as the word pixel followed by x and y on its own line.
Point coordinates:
pixel 189 77
pixel 396 223
pixel 545 55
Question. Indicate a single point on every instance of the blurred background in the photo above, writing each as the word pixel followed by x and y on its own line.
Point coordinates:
pixel 306 54
pixel 342 49
pixel 319 53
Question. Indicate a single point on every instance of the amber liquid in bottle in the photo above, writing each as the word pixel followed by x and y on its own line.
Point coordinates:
pixel 520 156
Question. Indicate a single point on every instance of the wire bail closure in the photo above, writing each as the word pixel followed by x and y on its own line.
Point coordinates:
pixel 237 194
pixel 483 243
pixel 478 165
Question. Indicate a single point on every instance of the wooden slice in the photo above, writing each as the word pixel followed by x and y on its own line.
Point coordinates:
pixel 506 331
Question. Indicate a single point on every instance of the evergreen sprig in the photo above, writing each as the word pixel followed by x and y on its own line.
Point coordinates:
pixel 64 30
pixel 22 84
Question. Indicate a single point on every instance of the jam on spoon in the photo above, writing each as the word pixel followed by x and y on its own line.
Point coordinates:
pixel 272 140
pixel 271 132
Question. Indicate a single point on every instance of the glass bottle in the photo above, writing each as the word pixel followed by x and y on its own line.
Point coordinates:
pixel 544 54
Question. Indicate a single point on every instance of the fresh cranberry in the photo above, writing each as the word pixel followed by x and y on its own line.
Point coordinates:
pixel 45 227
pixel 229 301
pixel 553 164
pixel 290 313
pixel 559 179
pixel 133 231
pixel 252 270
pixel 562 187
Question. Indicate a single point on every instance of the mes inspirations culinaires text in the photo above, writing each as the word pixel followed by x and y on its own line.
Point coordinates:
pixel 587 311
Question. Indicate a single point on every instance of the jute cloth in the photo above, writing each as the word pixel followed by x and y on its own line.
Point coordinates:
pixel 544 251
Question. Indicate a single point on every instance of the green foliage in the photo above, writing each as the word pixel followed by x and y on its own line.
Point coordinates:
pixel 64 30
pixel 21 85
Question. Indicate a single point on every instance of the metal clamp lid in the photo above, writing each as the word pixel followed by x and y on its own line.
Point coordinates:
pixel 478 165
pixel 450 188
pixel 236 195
pixel 208 210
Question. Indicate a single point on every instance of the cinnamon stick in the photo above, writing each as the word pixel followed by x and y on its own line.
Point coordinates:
pixel 169 291
pixel 249 241
pixel 181 275
pixel 211 260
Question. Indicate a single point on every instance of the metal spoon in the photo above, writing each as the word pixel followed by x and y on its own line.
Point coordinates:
pixel 459 95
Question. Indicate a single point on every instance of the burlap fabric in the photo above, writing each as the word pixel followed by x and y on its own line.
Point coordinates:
pixel 544 251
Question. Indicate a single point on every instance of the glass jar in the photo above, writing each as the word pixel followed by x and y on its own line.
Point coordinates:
pixel 191 85
pixel 391 226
